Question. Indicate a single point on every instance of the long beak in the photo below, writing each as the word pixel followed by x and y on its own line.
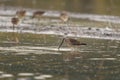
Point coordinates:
pixel 61 43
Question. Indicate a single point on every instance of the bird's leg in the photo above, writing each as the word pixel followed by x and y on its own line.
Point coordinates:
pixel 13 32
pixel 33 24
pixel 61 43
pixel 15 38
pixel 13 27
pixel 39 22
pixel 67 27
pixel 40 26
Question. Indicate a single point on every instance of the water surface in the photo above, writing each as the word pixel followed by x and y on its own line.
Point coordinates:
pixel 36 56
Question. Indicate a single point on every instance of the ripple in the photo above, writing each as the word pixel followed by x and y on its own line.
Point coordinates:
pixel 7 76
pixel 111 59
pixel 25 50
pixel 25 74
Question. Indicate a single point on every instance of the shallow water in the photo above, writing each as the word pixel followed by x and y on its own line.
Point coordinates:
pixel 36 56
pixel 99 59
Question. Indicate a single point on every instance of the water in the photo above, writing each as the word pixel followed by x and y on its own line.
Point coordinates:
pixel 36 56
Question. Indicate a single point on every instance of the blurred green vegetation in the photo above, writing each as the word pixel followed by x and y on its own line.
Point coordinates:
pixel 83 6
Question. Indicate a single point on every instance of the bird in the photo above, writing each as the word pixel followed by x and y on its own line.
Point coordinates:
pixel 38 14
pixel 71 42
pixel 15 22
pixel 21 14
pixel 64 16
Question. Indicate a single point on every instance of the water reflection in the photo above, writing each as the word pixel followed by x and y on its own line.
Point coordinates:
pixel 60 69
pixel 32 59
pixel 98 60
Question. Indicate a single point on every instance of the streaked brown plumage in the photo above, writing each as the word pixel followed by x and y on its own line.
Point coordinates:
pixel 74 42
pixel 38 14
pixel 64 16
pixel 15 21
pixel 71 42
pixel 21 14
